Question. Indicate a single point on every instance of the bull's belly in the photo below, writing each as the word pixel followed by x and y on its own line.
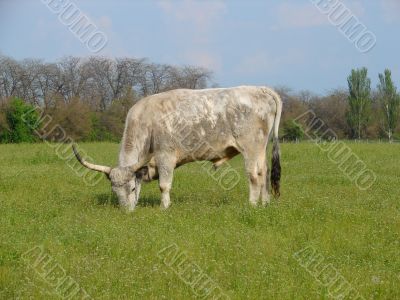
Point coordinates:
pixel 216 157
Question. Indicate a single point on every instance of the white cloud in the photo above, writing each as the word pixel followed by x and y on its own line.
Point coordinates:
pixel 194 22
pixel 261 62
pixel 201 13
pixel 305 15
pixel 299 16
pixel 356 7
pixel 104 23
pixel 204 59
pixel 391 10
pixel 115 46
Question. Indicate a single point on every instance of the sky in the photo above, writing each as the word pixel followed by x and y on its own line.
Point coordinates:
pixel 255 42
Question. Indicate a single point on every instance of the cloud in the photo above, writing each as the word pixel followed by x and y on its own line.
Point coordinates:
pixel 192 23
pixel 115 47
pixel 391 10
pixel 200 13
pixel 262 62
pixel 299 16
pixel 104 23
pixel 294 15
pixel 204 59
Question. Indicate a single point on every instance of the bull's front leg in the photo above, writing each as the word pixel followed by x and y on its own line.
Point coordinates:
pixel 165 183
pixel 132 201
pixel 165 166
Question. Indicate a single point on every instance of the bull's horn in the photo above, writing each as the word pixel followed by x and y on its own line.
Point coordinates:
pixel 103 169
pixel 142 162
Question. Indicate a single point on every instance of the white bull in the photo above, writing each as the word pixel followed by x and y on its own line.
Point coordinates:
pixel 169 129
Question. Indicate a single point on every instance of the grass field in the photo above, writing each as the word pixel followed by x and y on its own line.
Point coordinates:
pixel 247 252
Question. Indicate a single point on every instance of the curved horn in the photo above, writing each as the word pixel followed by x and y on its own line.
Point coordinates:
pixel 98 168
pixel 135 167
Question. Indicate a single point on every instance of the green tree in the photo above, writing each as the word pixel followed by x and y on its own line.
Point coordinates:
pixel 390 102
pixel 292 131
pixel 359 101
pixel 22 120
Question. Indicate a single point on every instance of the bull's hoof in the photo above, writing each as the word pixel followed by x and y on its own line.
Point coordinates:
pixel 129 209
pixel 265 202
pixel 164 206
pixel 253 204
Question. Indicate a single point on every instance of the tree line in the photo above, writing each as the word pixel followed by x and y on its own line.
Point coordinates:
pixel 358 112
pixel 87 97
pixel 90 97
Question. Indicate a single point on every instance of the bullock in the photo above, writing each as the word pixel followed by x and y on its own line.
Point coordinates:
pixel 167 130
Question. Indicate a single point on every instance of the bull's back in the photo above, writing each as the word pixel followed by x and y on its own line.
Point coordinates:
pixel 206 104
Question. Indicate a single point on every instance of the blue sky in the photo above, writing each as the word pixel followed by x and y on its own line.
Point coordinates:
pixel 244 42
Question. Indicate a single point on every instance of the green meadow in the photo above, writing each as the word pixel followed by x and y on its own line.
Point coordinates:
pixel 60 237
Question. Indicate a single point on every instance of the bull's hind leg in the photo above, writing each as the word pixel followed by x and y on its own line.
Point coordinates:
pixel 256 171
pixel 165 166
pixel 265 183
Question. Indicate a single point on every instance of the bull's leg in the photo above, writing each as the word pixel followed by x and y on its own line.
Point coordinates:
pixel 254 180
pixel 265 198
pixel 257 172
pixel 254 185
pixel 132 201
pixel 165 183
pixel 166 166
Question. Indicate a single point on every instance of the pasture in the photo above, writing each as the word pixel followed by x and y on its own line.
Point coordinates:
pixel 247 252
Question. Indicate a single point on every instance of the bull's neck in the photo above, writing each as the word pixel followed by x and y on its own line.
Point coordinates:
pixel 128 158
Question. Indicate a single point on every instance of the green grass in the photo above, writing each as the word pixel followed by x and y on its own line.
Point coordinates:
pixel 248 252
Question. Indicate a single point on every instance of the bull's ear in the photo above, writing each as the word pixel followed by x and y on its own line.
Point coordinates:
pixel 143 171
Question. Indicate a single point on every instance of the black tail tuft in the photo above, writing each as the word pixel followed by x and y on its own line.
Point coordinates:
pixel 275 169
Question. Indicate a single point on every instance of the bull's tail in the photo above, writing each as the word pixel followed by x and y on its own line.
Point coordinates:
pixel 276 164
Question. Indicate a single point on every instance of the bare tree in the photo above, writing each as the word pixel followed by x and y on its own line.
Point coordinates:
pixel 133 70
pixel 196 77
pixel 74 77
pixel 189 77
pixel 96 81
pixel 331 110
pixel 159 76
pixel 10 71
pixel 48 83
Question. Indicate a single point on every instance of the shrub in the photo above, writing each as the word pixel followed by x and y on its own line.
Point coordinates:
pixel 74 119
pixel 292 130
pixel 109 125
pixel 18 122
pixel 99 130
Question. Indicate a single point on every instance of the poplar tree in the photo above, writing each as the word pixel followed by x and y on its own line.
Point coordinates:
pixel 359 101
pixel 390 102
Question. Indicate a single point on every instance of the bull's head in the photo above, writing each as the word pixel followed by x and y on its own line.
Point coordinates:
pixel 125 181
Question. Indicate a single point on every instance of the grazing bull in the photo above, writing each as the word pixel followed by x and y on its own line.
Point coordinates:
pixel 169 129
